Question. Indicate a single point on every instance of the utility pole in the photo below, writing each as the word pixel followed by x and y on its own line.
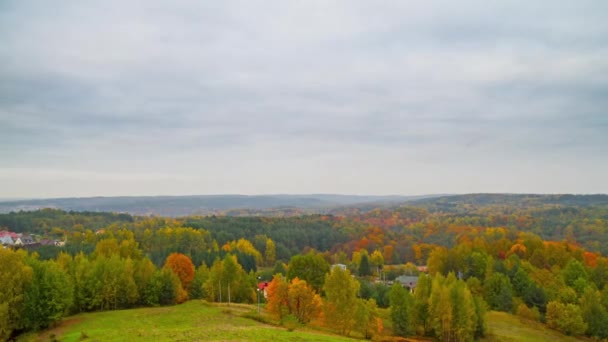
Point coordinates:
pixel 258 291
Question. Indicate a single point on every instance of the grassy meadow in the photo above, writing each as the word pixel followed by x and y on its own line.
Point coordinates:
pixel 201 321
pixel 191 321
pixel 505 327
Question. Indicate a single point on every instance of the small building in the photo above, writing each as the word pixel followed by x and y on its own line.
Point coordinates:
pixel 408 281
pixel 6 240
pixel 262 288
pixel 25 240
pixel 47 242
pixel 342 266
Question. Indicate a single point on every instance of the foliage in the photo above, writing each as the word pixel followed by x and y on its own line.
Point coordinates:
pixel 498 292
pixel 401 303
pixel 48 296
pixel 277 298
pixel 341 300
pixel 182 266
pixel 15 275
pixel 311 267
pixel 303 302
pixel 566 318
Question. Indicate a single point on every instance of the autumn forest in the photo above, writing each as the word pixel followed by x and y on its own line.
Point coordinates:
pixel 542 258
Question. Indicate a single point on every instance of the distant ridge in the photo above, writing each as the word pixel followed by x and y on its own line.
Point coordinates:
pixel 518 200
pixel 203 204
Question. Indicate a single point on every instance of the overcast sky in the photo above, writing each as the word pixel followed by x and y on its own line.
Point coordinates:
pixel 353 97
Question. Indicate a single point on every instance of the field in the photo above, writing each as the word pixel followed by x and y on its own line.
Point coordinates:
pixel 200 321
pixel 505 327
pixel 191 321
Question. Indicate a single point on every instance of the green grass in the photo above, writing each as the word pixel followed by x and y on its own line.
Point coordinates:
pixel 505 327
pixel 200 321
pixel 191 321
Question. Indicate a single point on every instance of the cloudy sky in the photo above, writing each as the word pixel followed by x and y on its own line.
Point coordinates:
pixel 353 97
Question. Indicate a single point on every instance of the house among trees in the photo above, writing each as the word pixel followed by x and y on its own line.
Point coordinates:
pixel 408 281
pixel 262 288
pixel 24 240
pixel 8 238
pixel 342 266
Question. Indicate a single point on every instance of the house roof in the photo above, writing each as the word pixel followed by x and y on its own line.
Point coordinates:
pixel 6 239
pixel 13 235
pixel 407 280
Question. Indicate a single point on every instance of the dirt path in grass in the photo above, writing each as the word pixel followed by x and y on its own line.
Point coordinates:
pixel 59 329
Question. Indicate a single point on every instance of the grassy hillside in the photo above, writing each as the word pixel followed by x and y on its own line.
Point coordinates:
pixel 505 327
pixel 199 321
pixel 191 321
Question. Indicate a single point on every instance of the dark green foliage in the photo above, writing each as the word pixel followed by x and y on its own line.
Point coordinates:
pixel 594 314
pixel 573 271
pixel 535 296
pixel 420 310
pixel 480 313
pixel 401 302
pixel 498 292
pixel 310 267
pixel 364 268
pixel 48 296
pixel 279 268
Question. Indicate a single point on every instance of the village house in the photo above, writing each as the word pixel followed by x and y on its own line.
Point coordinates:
pixel 6 240
pixel 408 281
pixel 24 240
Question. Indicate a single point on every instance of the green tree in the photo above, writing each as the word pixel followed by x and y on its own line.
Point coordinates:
pixel 464 312
pixel 566 318
pixel 364 269
pixel 498 292
pixel 310 267
pixel 341 300
pixel 401 303
pixel 594 314
pixel 196 290
pixel 48 296
pixel 15 276
pixel 420 308
pixel 480 314
pixel 574 270
pixel 366 318
pixel 271 252
pixel 440 309
pixel 279 268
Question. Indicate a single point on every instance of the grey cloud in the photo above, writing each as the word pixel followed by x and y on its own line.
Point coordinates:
pixel 136 86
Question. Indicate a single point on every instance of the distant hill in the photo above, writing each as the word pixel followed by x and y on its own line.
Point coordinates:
pixel 456 202
pixel 206 204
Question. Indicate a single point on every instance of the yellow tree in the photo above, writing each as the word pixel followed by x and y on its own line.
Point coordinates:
pixel 377 260
pixel 341 305
pixel 304 303
pixel 271 252
pixel 14 277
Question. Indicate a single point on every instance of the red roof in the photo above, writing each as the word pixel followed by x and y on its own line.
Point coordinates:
pixel 262 286
pixel 11 234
